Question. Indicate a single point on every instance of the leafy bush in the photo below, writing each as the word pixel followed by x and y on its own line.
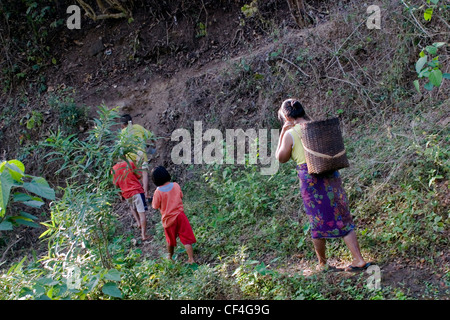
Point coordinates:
pixel 430 69
pixel 70 114
pixel 81 225
pixel 12 176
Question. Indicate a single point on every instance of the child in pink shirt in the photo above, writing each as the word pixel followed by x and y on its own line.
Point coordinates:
pixel 168 199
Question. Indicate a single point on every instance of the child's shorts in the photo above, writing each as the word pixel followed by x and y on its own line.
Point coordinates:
pixel 182 228
pixel 138 203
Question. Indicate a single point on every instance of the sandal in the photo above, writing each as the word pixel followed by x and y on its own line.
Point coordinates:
pixel 354 269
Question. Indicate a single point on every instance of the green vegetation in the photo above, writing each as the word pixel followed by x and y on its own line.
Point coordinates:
pixel 252 233
pixel 26 29
pixel 12 176
pixel 247 225
pixel 430 69
pixel 70 114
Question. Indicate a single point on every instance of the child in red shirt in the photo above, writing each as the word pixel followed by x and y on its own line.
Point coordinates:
pixel 126 177
pixel 168 199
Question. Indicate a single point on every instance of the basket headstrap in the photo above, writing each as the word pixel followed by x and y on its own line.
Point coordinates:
pixel 318 154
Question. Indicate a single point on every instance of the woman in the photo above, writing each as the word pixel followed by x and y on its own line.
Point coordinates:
pixel 323 196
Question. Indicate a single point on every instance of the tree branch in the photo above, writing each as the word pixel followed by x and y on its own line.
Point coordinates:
pixel 9 247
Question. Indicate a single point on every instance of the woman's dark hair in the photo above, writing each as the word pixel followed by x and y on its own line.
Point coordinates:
pixel 160 176
pixel 124 119
pixel 293 109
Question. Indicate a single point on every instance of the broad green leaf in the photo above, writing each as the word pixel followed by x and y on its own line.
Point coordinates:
pixel 39 292
pixel 28 200
pixel 433 63
pixel 6 226
pixel 112 290
pixel 193 266
pixel 47 281
pixel 28 215
pixel 34 203
pixel 428 14
pixel 20 197
pixel 424 73
pixel 25 291
pixel 16 173
pixel 436 77
pixel 420 63
pixel 431 50
pixel 50 293
pixel 446 75
pixel 416 84
pixel 429 86
pixel 40 187
pixel 24 221
pixel 6 183
pixel 18 164
pixel 27 223
pixel 438 44
pixel 113 275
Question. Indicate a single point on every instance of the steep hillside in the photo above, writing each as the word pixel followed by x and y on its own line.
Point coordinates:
pixel 230 64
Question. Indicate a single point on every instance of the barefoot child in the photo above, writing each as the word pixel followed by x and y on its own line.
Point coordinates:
pixel 168 199
pixel 126 177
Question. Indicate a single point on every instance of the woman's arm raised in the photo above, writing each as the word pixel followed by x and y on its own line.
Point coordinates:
pixel 285 143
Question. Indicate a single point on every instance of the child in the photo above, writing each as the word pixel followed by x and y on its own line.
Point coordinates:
pixel 168 198
pixel 137 136
pixel 126 177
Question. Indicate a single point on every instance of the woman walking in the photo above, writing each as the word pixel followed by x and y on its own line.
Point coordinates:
pixel 323 195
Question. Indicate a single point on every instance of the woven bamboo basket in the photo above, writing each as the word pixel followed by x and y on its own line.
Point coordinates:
pixel 324 146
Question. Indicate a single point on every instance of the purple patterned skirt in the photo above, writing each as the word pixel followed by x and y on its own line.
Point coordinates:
pixel 325 203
